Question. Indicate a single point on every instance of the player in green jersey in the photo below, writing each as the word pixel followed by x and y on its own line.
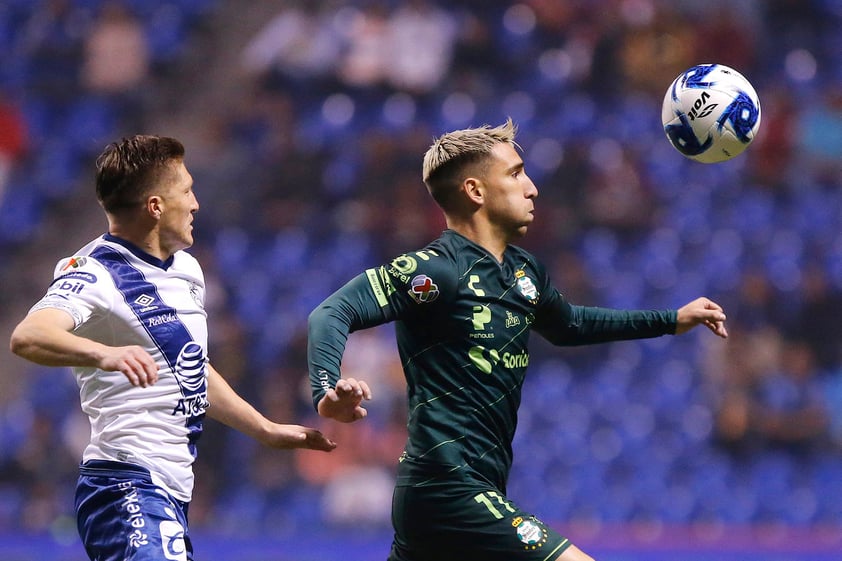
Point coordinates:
pixel 464 306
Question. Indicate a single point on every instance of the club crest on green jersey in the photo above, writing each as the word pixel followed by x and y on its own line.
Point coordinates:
pixel 531 532
pixel 526 287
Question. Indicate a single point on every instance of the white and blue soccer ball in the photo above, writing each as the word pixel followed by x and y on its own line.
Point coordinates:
pixel 711 113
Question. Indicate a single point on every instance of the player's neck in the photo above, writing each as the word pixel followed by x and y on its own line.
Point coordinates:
pixel 486 237
pixel 139 235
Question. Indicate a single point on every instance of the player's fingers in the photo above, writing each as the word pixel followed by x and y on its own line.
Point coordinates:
pixel 345 386
pixel 315 440
pixel 366 391
pixel 353 386
pixel 360 413
pixel 717 328
pixel 147 373
pixel 139 367
pixel 135 373
pixel 717 315
pixel 150 370
pixel 132 377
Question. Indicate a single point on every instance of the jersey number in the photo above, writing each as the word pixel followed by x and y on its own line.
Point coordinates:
pixel 486 499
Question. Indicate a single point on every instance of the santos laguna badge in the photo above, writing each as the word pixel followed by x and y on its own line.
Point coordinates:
pixel 526 286
pixel 530 531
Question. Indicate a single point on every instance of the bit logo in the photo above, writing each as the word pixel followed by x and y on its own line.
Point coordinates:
pixel 68 286
pixel 74 281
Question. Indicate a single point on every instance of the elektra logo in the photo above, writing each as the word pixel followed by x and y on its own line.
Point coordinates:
pixel 130 505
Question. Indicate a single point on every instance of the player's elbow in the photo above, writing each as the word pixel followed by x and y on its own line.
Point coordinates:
pixel 314 316
pixel 318 318
pixel 22 342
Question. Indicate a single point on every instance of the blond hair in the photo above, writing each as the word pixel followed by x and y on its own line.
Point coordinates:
pixel 450 154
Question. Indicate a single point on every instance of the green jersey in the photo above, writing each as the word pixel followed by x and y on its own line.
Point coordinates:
pixel 463 321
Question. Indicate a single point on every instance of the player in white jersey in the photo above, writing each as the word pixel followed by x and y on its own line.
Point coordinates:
pixel 127 313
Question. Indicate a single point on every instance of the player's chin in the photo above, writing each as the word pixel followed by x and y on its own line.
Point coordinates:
pixel 520 231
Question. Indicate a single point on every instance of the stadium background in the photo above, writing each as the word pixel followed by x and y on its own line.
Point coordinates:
pixel 305 123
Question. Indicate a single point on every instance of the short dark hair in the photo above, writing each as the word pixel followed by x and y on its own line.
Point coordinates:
pixel 126 170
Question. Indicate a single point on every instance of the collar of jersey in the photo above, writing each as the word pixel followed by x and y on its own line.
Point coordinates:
pixel 478 247
pixel 139 253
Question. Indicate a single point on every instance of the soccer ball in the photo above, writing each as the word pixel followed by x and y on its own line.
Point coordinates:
pixel 711 113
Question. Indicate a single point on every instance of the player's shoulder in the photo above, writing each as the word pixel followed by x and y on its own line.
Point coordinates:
pixel 79 275
pixel 437 254
pixel 81 264
pixel 186 261
pixel 423 273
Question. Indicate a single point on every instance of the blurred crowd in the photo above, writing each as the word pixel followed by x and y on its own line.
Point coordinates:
pixel 308 172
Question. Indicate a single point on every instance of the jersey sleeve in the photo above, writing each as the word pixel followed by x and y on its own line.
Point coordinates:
pixel 564 324
pixel 78 288
pixel 410 284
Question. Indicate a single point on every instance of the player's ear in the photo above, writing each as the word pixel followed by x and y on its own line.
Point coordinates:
pixel 474 190
pixel 153 206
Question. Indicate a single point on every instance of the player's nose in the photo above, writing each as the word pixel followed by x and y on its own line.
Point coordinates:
pixel 531 190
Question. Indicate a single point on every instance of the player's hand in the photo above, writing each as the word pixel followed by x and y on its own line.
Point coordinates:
pixel 297 436
pixel 136 364
pixel 344 402
pixel 702 311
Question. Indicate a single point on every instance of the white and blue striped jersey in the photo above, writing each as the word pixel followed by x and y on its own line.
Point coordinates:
pixel 119 295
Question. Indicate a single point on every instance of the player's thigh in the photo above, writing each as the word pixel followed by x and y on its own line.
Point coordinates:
pixel 458 523
pixel 122 516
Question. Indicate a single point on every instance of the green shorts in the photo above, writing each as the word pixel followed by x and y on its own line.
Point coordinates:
pixel 458 523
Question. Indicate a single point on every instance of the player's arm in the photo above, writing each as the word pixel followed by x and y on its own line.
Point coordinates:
pixel 227 407
pixel 565 324
pixel 45 337
pixel 354 306
pixel 562 323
